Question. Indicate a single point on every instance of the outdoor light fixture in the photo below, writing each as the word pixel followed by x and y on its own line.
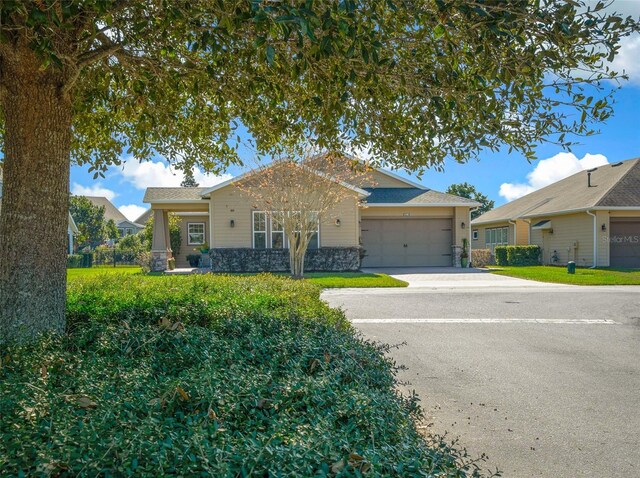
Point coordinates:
pixel 338 222
pixel 232 223
pixel 463 225
pixel 604 227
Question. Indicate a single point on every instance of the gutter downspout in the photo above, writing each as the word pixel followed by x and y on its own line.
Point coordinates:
pixel 469 232
pixel 595 240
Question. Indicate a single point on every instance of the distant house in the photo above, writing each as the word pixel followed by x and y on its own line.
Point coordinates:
pixel 72 229
pixel 591 218
pixel 144 217
pixel 125 227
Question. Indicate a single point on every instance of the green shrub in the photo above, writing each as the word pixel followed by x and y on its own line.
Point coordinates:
pixel 517 255
pixel 74 261
pixel 500 255
pixel 208 376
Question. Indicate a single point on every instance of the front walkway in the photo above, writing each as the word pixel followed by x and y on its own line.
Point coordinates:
pixel 455 278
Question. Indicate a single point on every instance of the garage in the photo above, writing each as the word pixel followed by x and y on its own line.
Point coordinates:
pixel 624 243
pixel 407 242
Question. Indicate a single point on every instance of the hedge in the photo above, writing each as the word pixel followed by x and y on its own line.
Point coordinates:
pixel 517 255
pixel 480 257
pixel 209 376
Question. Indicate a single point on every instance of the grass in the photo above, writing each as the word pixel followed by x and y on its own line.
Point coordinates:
pixel 93 271
pixel 327 280
pixel 331 280
pixel 582 276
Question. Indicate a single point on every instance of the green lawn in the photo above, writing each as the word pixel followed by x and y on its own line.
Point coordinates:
pixel 327 280
pixel 332 280
pixel 582 276
pixel 93 271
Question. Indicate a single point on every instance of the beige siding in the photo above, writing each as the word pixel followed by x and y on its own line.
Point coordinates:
pixel 185 247
pixel 348 233
pixel 381 180
pixel 230 203
pixel 572 239
pixel 522 232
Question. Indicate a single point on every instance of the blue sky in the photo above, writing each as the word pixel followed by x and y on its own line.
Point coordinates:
pixel 501 176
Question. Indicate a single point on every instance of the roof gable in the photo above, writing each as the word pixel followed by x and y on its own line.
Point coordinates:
pixel 110 211
pixel 613 185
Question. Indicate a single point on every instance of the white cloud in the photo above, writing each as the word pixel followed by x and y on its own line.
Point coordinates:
pixel 627 60
pixel 97 190
pixel 147 174
pixel 549 171
pixel 132 211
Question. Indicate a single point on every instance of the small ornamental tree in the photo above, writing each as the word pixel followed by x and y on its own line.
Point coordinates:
pixel 299 195
pixel 413 81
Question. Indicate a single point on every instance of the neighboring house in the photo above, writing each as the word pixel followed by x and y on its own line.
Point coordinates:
pixel 72 230
pixel 124 226
pixel 592 218
pixel 395 221
pixel 144 217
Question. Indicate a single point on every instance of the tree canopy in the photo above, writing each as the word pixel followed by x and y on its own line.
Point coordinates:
pixel 413 82
pixel 89 218
pixel 469 191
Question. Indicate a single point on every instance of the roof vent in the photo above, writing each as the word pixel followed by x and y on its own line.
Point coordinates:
pixel 616 164
pixel 589 171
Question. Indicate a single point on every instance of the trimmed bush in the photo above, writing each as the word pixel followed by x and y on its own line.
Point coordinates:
pixel 480 257
pixel 208 376
pixel 500 255
pixel 517 255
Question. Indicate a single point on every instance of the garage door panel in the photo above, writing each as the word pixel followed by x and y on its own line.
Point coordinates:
pixel 624 245
pixel 407 242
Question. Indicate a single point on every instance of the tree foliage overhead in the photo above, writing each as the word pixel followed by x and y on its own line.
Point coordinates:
pixel 412 81
pixel 469 191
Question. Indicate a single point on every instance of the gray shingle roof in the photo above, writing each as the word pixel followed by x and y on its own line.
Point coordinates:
pixel 414 196
pixel 613 185
pixel 173 194
pixel 144 217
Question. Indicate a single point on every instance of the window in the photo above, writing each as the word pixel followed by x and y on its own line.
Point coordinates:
pixel 277 232
pixel 496 236
pixel 474 235
pixel 259 230
pixel 195 233
pixel 273 236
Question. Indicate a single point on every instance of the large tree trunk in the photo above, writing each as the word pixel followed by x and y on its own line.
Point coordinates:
pixel 35 203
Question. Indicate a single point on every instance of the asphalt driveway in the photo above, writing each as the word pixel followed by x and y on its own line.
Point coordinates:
pixel 544 379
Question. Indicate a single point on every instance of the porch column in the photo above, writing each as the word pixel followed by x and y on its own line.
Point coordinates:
pixel 160 243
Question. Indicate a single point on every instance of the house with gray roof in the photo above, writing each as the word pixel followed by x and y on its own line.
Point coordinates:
pixel 591 218
pixel 391 221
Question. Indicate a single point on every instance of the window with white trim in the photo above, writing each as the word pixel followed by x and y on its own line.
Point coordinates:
pixel 270 234
pixel 277 231
pixel 195 233
pixel 259 228
pixel 474 235
pixel 496 236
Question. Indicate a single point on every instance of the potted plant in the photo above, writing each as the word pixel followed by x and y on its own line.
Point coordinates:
pixel 204 248
pixel 193 259
pixel 464 255
pixel 171 264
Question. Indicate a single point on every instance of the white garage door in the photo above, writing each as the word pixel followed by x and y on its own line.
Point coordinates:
pixel 406 242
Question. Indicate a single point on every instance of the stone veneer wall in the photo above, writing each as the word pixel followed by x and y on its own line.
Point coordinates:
pixel 335 259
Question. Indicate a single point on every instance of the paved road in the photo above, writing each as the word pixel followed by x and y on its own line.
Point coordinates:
pixel 545 380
